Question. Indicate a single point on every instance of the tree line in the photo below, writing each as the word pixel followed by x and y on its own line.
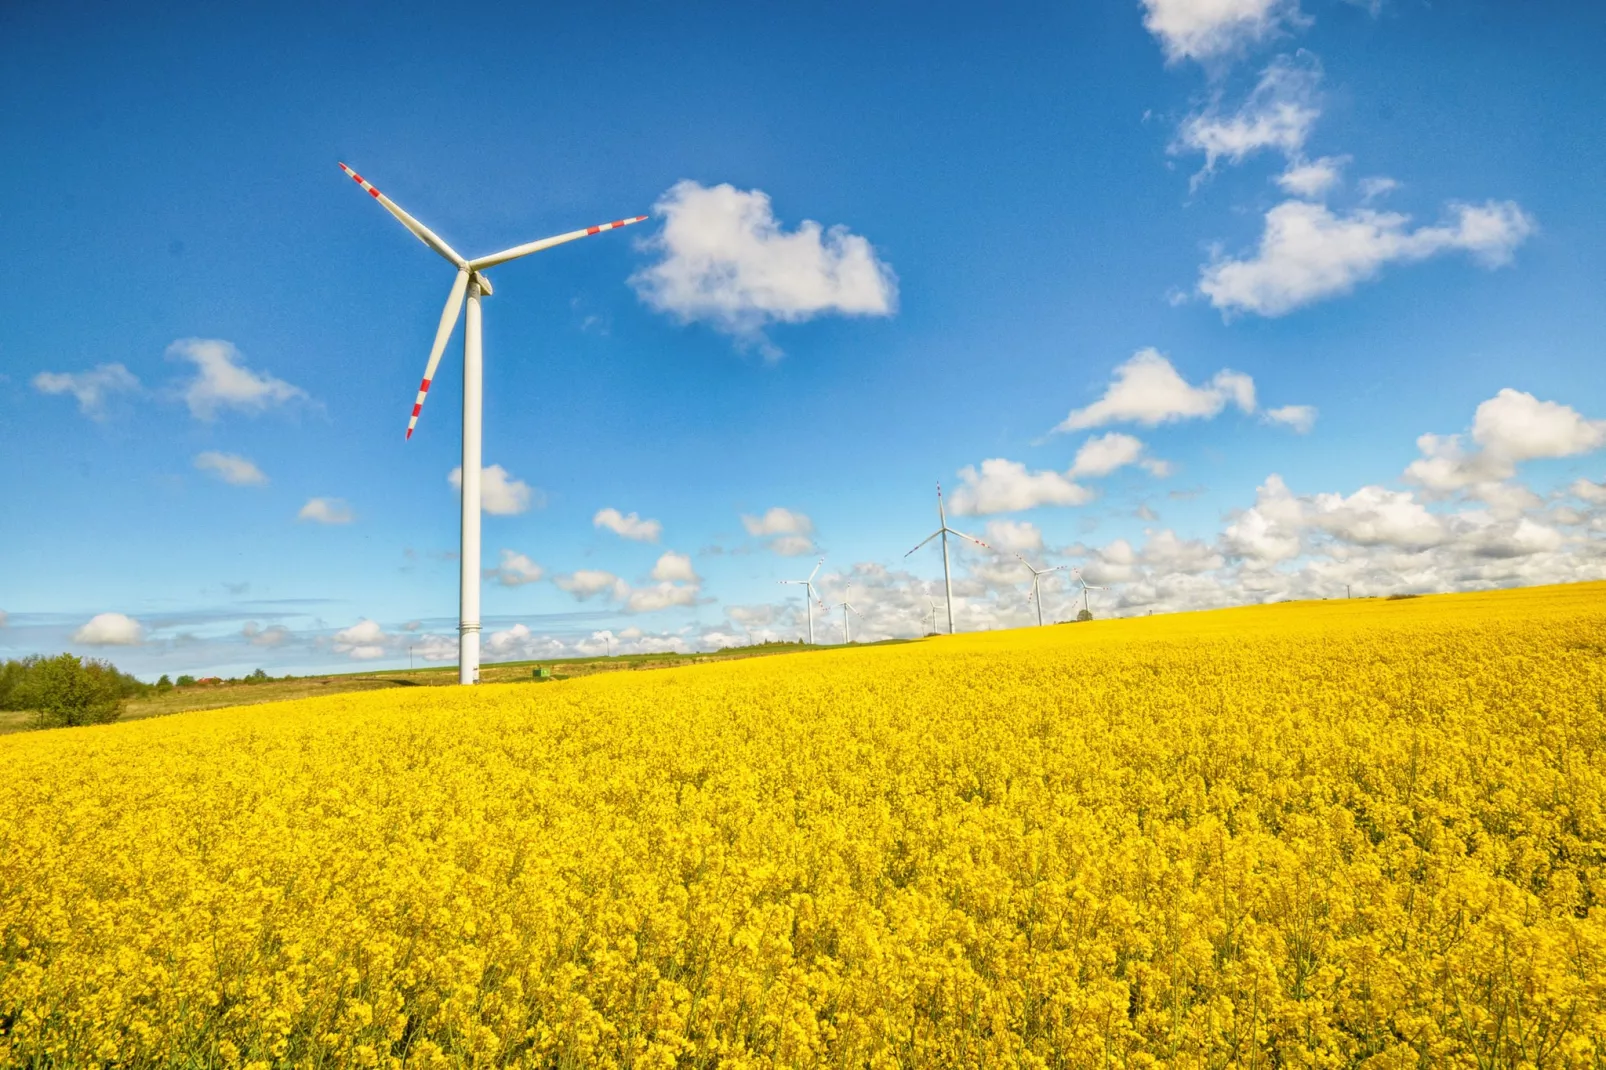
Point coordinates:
pixel 67 690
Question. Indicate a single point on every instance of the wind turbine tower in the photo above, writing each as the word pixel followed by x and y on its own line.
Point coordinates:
pixel 845 606
pixel 943 531
pixel 1086 587
pixel 1037 594
pixel 809 597
pixel 470 285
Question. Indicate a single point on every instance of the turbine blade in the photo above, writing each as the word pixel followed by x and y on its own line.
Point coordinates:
pixel 546 243
pixel 816 571
pixel 454 305
pixel 421 232
pixel 925 540
pixel 972 538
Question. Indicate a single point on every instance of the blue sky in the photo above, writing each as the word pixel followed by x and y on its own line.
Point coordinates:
pixel 1376 218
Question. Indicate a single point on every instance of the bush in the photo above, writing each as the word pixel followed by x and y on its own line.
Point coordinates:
pixel 185 681
pixel 164 684
pixel 64 691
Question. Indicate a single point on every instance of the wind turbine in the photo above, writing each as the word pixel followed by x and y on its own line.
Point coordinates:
pixel 933 602
pixel 809 597
pixel 1086 587
pixel 945 531
pixel 471 284
pixel 1037 594
pixel 845 606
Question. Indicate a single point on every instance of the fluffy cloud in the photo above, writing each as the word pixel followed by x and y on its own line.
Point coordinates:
pixel 586 583
pixel 222 381
pixel 1101 455
pixel 1279 114
pixel 327 511
pixel 1270 530
pixel 628 526
pixel 1301 418
pixel 515 570
pixel 1507 429
pixel 1312 179
pixel 1308 253
pixel 273 635
pixel 1210 29
pixel 660 596
pixel 230 468
pixel 364 641
pixel 725 260
pixel 500 493
pixel 1375 516
pixel 1003 486
pixel 673 567
pixel 1583 488
pixel 788 533
pixel 1147 390
pixel 110 629
pixel 93 388
pixel 1016 536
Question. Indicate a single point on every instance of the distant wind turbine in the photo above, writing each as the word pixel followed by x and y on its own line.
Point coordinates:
pixel 809 597
pixel 471 284
pixel 944 531
pixel 1086 587
pixel 845 606
pixel 1037 594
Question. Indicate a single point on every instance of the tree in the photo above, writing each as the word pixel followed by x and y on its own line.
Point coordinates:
pixel 164 684
pixel 185 681
pixel 64 691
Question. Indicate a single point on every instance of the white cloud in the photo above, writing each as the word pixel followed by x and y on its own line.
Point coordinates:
pixel 660 596
pixel 500 493
pixel 1308 253
pixel 1003 486
pixel 675 567
pixel 230 468
pixel 1148 390
pixel 789 533
pixel 586 583
pixel 1270 530
pixel 724 260
pixel 363 641
pixel 1582 488
pixel 515 570
pixel 1375 516
pixel 1105 453
pixel 273 635
pixel 1301 418
pixel 1376 186
pixel 327 511
pixel 629 526
pixel 1279 114
pixel 92 388
pixel 222 380
pixel 1312 179
pixel 110 629
pixel 1210 29
pixel 1017 536
pixel 1509 428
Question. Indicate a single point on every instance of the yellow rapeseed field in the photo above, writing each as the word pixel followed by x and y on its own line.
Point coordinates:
pixel 1367 833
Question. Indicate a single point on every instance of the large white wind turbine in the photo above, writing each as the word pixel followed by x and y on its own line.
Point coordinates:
pixel 471 284
pixel 809 597
pixel 944 531
pixel 846 607
pixel 1037 594
pixel 1086 587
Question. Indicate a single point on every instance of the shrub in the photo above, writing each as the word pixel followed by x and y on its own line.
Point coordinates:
pixel 65 691
pixel 185 681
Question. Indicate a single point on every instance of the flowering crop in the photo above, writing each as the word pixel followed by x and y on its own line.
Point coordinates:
pixel 1321 834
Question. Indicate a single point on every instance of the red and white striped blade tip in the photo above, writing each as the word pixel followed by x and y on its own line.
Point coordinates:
pixel 361 181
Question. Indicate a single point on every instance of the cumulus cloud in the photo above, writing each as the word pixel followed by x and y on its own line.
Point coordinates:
pixel 230 468
pixel 500 493
pixel 1508 429
pixel 1307 252
pixel 1279 114
pixel 675 567
pixel 1376 516
pixel 515 570
pixel 726 261
pixel 1300 418
pixel 92 388
pixel 1269 531
pixel 363 641
pixel 1312 179
pixel 274 635
pixel 1017 536
pixel 110 629
pixel 222 381
pixel 1211 29
pixel 628 526
pixel 786 532
pixel 327 511
pixel 660 596
pixel 1004 486
pixel 1582 488
pixel 586 583
pixel 1103 454
pixel 1147 390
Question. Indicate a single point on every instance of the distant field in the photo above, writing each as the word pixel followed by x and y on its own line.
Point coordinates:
pixel 1320 834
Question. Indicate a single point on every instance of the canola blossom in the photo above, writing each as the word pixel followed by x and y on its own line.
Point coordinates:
pixel 1350 833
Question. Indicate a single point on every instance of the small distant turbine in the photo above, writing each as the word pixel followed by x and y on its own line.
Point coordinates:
pixel 1086 587
pixel 845 606
pixel 933 602
pixel 1037 594
pixel 944 531
pixel 809 597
